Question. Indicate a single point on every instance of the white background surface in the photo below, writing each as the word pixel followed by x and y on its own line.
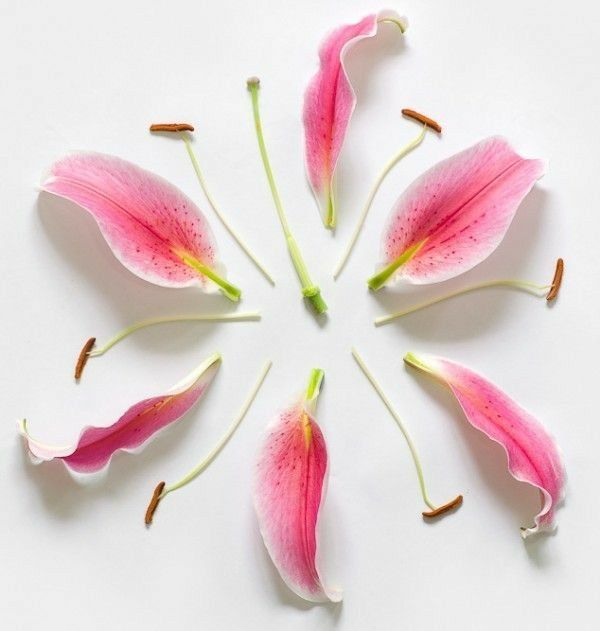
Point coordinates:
pixel 93 76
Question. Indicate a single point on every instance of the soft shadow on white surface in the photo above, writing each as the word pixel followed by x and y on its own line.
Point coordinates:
pixel 284 595
pixel 519 499
pixel 365 58
pixel 65 496
pixel 465 316
pixel 76 238
pixel 539 549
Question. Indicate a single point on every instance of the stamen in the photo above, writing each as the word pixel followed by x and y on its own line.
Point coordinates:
pixel 84 355
pixel 521 285
pixel 182 127
pixel 162 490
pixel 557 280
pixel 455 503
pixel 435 510
pixel 121 335
pixel 423 119
pixel 171 127
pixel 156 497
pixel 415 142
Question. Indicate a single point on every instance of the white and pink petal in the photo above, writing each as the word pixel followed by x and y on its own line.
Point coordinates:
pixel 153 229
pixel 141 422
pixel 455 214
pixel 289 491
pixel 532 453
pixel 329 102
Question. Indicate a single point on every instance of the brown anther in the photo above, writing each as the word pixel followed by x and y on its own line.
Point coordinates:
pixel 153 503
pixel 556 281
pixel 440 510
pixel 423 119
pixel 252 81
pixel 171 127
pixel 84 355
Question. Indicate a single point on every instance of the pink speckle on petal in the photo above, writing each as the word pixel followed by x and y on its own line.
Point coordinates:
pixel 139 215
pixel 459 210
pixel 289 491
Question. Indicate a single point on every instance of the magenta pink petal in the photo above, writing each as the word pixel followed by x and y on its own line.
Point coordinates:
pixel 96 445
pixel 155 230
pixel 454 215
pixel 533 455
pixel 328 105
pixel 290 486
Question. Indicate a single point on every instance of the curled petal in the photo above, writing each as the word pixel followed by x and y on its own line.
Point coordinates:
pixel 328 105
pixel 455 214
pixel 96 445
pixel 290 485
pixel 155 230
pixel 533 455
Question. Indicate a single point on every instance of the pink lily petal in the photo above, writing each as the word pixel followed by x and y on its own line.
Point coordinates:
pixel 289 490
pixel 154 230
pixel 328 105
pixel 455 214
pixel 533 455
pixel 96 445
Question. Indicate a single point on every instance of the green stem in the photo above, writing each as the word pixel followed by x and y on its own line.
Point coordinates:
pixel 197 470
pixel 395 21
pixel 412 360
pixel 314 388
pixel 522 285
pixel 330 218
pixel 231 291
pixel 381 278
pixel 220 215
pixel 396 417
pixel 309 290
pixel 209 317
pixel 415 142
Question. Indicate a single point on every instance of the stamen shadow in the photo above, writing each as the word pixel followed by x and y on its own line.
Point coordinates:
pixel 77 239
pixel 518 498
pixel 64 495
pixel 465 316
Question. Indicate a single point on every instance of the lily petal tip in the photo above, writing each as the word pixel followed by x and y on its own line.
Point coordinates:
pixel 392 18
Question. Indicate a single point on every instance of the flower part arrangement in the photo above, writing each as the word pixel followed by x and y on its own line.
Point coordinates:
pixel 154 230
pixel 97 445
pixel 329 101
pixel 289 491
pixel 533 455
pixel 446 222
pixel 455 215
